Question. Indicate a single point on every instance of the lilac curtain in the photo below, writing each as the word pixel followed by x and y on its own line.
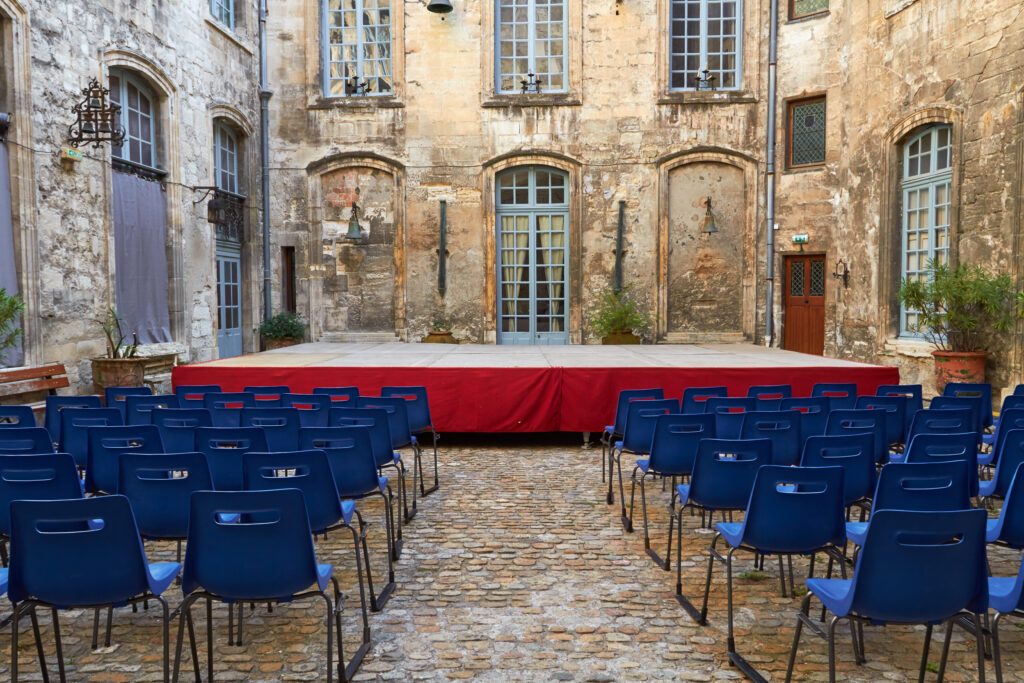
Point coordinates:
pixel 140 257
pixel 8 270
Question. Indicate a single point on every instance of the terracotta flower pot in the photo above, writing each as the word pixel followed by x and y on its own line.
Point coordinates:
pixel 958 366
pixel 117 372
pixel 620 338
pixel 440 337
pixel 278 343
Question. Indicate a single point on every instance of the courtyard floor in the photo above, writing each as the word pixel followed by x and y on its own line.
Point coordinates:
pixel 517 570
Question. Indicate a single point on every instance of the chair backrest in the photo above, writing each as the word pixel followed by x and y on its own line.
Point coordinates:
pixel 74 429
pixel 224 448
pixel 858 422
pixel 947 447
pixel 138 408
pixel 1011 402
pixel 946 421
pixel 695 398
pixel 25 441
pixel 159 485
pixel 98 535
pixel 267 554
pixel 895 409
pixel 641 418
pixel 36 477
pixel 226 408
pixel 313 408
pixel 840 395
pixel 281 425
pixel 728 412
pixel 983 392
pixel 55 404
pixel 17 417
pixel 350 455
pixel 922 486
pixel 795 509
pixel 855 453
pixel 398 417
pixel 676 439
pixel 270 393
pixel 417 406
pixel 971 403
pixel 307 471
pixel 1018 390
pixel 912 392
pixel 628 396
pixel 1011 517
pixel 813 413
pixel 724 471
pixel 1009 419
pixel 769 396
pixel 177 427
pixel 114 397
pixel 896 579
pixel 340 396
pixel 108 444
pixel 1011 455
pixel 780 427
pixel 191 395
pixel 376 422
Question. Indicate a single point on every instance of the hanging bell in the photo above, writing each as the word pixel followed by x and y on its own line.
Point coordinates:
pixel 439 6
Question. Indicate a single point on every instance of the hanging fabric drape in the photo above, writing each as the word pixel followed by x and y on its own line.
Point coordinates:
pixel 8 263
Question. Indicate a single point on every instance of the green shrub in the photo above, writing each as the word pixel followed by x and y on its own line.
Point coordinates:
pixel 11 308
pixel 110 324
pixel 283 326
pixel 617 314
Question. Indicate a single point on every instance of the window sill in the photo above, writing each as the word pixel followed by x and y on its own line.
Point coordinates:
pixel 911 348
pixel 708 97
pixel 230 35
pixel 531 100
pixel 359 102
pixel 808 168
pixel 807 17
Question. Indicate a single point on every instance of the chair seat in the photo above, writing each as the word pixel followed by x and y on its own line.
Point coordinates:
pixel 856 532
pixel 3 581
pixel 1000 593
pixel 617 445
pixel 323 575
pixel 609 430
pixel 162 575
pixel 396 457
pixel 986 487
pixel 732 532
pixel 992 530
pixel 683 491
pixel 987 438
pixel 985 459
pixel 833 593
pixel 382 482
pixel 348 508
pixel 644 465
pixel 898 457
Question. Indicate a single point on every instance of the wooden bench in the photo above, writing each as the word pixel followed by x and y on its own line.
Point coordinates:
pixel 30 386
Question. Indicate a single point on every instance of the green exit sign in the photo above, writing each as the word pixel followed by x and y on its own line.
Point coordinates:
pixel 802 238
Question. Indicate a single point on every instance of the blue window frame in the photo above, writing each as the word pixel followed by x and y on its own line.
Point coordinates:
pixel 705 34
pixel 356 40
pixel 531 38
pixel 224 12
pixel 225 157
pixel 138 116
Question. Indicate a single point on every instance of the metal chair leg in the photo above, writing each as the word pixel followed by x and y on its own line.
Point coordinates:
pixel 924 653
pixel 979 635
pixel 643 506
pixel 707 581
pixel 832 650
pixel 610 497
pixel 209 640
pixel 805 610
pixel 60 645
pixel 945 649
pixel 622 490
pixel 997 658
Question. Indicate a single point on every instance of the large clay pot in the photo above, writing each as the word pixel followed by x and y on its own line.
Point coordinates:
pixel 958 366
pixel 440 337
pixel 621 338
pixel 117 372
pixel 279 343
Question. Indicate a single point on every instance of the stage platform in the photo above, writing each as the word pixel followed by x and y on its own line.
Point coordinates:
pixel 487 388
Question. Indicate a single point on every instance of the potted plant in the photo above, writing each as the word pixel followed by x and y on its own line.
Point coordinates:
pixel 960 310
pixel 283 329
pixel 617 319
pixel 440 332
pixel 11 308
pixel 121 367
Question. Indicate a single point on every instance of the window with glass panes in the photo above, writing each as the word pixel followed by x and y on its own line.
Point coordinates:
pixel 225 158
pixel 805 8
pixel 224 12
pixel 531 38
pixel 806 132
pixel 926 195
pixel 705 34
pixel 138 116
pixel 357 47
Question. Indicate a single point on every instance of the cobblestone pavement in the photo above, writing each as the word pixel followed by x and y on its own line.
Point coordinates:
pixel 517 570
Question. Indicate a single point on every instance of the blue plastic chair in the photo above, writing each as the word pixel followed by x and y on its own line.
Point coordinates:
pixel 1011 457
pixel 25 441
pixel 55 404
pixel 848 422
pixel 340 396
pixel 138 409
pixel 947 447
pixel 840 396
pixel 226 408
pixel 281 425
pixel 72 554
pixel 769 396
pixel 177 427
pixel 723 477
pixel 401 436
pixel 114 397
pixel 1008 529
pixel 895 409
pixel 420 424
pixel 107 445
pixel 224 448
pixel 1010 419
pixel 855 453
pixel 637 435
pixel 792 511
pixel 34 477
pixel 972 403
pixel 729 412
pixel 350 455
pixel 270 393
pixel 673 451
pixel 695 398
pixel 782 428
pixel 231 563
pixel 313 408
pixel 613 432
pixel 982 392
pixel 1011 402
pixel 74 429
pixel 912 392
pixel 813 414
pixel 951 421
pixel 17 417
pixel 1006 597
pixel 895 581
pixel 191 395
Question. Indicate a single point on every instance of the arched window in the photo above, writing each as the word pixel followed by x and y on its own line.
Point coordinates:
pixel 926 189
pixel 138 117
pixel 225 157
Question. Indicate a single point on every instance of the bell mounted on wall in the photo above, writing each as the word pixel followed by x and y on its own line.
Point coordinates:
pixel 439 6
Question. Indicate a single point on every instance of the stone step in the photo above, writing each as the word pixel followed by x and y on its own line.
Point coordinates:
pixel 703 338
pixel 360 337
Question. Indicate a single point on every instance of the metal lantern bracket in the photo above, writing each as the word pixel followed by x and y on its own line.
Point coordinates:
pixel 96 119
pixel 842 272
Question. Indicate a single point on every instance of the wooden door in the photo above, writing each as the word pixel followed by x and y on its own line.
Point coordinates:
pixel 804 323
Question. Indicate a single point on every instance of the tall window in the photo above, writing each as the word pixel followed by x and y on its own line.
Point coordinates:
pixel 805 8
pixel 805 133
pixel 224 12
pixel 531 39
pixel 357 47
pixel 705 34
pixel 225 157
pixel 926 188
pixel 138 117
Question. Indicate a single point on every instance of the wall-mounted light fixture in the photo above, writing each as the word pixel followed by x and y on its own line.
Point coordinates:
pixel 842 272
pixel 531 84
pixel 709 227
pixel 705 80
pixel 354 87
pixel 96 120
pixel 225 211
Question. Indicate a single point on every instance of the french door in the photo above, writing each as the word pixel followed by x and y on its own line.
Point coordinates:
pixel 533 256
pixel 229 300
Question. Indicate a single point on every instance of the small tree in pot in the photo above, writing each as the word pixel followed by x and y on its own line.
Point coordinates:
pixel 11 307
pixel 283 329
pixel 617 319
pixel 960 310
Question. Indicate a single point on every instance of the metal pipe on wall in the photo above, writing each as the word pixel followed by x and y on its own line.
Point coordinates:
pixel 265 95
pixel 620 230
pixel 773 58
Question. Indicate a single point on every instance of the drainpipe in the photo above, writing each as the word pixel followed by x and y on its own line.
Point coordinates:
pixel 265 95
pixel 773 58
